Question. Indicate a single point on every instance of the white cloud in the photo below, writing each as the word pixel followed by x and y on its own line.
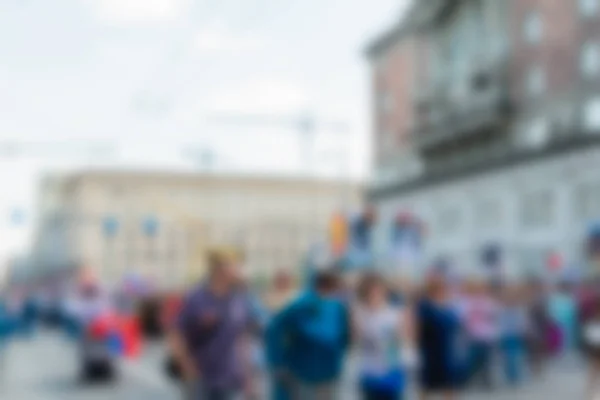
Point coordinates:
pixel 139 11
pixel 216 38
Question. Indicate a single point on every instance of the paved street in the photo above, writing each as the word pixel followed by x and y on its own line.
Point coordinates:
pixel 45 369
pixel 562 381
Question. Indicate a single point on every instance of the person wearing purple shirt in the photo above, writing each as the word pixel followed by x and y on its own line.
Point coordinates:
pixel 209 337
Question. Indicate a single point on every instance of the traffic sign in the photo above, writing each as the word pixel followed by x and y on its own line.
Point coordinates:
pixel 110 226
pixel 150 226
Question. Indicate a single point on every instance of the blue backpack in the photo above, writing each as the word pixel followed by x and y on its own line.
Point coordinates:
pixel 311 337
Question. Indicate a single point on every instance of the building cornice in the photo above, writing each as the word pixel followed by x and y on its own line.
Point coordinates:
pixel 517 158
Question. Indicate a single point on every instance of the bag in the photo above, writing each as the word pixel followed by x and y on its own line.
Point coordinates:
pixel 392 382
pixel 316 325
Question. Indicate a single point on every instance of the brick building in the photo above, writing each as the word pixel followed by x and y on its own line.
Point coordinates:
pixel 493 131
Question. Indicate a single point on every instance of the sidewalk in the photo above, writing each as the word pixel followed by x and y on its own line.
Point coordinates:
pixel 45 368
pixel 36 367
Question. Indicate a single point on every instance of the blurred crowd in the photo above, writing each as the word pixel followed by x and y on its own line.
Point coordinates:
pixel 438 338
pixel 443 337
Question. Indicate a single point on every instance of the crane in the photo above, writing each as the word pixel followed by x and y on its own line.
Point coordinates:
pixel 306 125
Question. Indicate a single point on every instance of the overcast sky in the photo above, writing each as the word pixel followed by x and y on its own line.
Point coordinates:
pixel 146 75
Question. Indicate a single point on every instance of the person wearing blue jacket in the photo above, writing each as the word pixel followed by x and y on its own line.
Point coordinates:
pixel 562 308
pixel 28 316
pixel 307 341
pixel 8 326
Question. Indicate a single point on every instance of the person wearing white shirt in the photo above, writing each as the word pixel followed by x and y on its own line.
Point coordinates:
pixel 385 341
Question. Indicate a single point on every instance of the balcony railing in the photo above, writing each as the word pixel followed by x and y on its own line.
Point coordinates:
pixel 445 117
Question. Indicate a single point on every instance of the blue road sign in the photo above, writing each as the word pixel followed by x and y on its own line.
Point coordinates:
pixel 17 217
pixel 110 226
pixel 150 226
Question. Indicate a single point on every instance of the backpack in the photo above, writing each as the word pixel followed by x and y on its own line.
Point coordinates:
pixel 322 324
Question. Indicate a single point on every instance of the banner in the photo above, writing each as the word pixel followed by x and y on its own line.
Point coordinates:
pixel 360 250
pixel 338 234
pixel 406 243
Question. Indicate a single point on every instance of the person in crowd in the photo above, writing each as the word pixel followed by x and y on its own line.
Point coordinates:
pixel 513 330
pixel 562 308
pixel 252 343
pixel 8 325
pixel 438 327
pixel 459 290
pixel 384 333
pixel 539 322
pixel 85 302
pixel 348 284
pixel 282 291
pixel 29 315
pixel 590 335
pixel 307 341
pixel 400 289
pixel 209 335
pixel 481 325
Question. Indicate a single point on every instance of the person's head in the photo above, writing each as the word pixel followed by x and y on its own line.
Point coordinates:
pixel 512 294
pixel 326 283
pixel 351 280
pixel 90 291
pixel 370 215
pixel 436 287
pixel 86 276
pixel 372 289
pixel 535 286
pixel 485 288
pixel 224 267
pixel 283 281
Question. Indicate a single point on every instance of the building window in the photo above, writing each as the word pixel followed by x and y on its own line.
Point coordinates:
pixel 536 133
pixel 589 62
pixel 449 220
pixel 533 28
pixel 588 8
pixel 587 202
pixel 536 81
pixel 591 115
pixel 487 214
pixel 387 141
pixel 386 102
pixel 537 209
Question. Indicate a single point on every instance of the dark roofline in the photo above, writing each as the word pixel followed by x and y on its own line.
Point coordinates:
pixel 385 40
pixel 419 15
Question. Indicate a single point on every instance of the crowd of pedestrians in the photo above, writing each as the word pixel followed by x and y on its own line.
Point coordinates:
pixel 441 338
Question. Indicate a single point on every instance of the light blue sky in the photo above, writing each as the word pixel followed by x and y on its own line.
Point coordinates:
pixel 144 74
